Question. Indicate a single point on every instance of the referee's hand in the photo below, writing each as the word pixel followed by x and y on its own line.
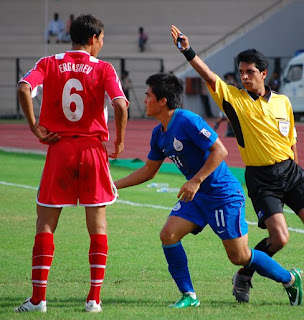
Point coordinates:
pixel 180 40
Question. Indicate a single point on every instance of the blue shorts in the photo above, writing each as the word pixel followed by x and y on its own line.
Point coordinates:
pixel 226 217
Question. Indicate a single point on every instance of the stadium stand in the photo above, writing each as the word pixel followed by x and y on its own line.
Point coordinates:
pixel 209 22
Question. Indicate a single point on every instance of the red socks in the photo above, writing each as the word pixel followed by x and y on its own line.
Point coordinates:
pixel 97 258
pixel 43 252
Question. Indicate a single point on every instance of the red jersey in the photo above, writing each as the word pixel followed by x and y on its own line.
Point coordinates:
pixel 74 87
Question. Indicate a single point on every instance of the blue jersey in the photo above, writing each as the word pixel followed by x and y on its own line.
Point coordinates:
pixel 187 142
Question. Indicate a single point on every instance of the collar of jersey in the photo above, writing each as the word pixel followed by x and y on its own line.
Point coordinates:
pixel 176 111
pixel 255 96
pixel 79 51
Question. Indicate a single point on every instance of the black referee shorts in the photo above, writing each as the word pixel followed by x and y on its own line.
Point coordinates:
pixel 270 187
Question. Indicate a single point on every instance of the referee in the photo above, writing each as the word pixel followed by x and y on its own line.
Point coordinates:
pixel 263 124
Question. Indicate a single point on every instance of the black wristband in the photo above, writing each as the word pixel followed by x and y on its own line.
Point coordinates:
pixel 189 54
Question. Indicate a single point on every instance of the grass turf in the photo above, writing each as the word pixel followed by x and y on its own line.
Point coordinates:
pixel 137 284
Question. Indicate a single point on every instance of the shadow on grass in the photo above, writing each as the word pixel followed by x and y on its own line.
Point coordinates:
pixel 76 303
pixel 13 302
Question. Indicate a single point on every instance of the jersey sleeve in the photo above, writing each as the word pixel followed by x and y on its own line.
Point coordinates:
pixel 200 133
pixel 35 77
pixel 222 92
pixel 155 153
pixel 113 85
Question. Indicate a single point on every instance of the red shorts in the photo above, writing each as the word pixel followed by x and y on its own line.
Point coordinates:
pixel 76 170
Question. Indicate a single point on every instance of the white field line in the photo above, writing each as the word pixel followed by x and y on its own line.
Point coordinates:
pixel 134 204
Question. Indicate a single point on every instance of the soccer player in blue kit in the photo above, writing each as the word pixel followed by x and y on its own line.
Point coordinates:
pixel 211 195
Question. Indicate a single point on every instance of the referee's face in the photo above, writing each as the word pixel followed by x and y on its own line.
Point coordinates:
pixel 252 78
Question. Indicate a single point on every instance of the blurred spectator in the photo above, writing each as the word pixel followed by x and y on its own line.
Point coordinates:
pixel 55 29
pixel 142 39
pixel 205 99
pixel 274 81
pixel 126 84
pixel 231 79
pixel 67 37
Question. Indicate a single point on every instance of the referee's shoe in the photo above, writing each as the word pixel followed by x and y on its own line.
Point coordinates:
pixel 241 287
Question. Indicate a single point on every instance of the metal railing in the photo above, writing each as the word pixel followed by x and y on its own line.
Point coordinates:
pixel 13 69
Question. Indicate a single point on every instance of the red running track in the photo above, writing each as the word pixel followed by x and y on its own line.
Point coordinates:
pixel 137 143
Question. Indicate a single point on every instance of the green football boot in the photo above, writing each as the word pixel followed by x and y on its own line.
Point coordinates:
pixel 295 290
pixel 185 301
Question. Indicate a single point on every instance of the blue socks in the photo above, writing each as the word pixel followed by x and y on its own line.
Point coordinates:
pixel 260 262
pixel 178 266
pixel 267 267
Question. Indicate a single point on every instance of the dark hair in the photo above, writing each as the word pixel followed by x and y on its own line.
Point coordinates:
pixel 84 27
pixel 253 56
pixel 165 85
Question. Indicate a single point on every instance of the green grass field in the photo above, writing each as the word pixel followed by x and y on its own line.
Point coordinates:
pixel 137 284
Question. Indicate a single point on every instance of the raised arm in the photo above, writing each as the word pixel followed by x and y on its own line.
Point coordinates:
pixel 182 43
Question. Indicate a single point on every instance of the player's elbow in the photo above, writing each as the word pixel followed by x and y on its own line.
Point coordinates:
pixel 222 153
pixel 219 150
pixel 23 89
pixel 121 104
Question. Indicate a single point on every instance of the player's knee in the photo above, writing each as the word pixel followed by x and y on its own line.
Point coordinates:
pixel 100 228
pixel 167 237
pixel 278 242
pixel 239 258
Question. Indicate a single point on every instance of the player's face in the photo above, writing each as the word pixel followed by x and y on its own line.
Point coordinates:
pixel 252 78
pixel 153 107
pixel 97 44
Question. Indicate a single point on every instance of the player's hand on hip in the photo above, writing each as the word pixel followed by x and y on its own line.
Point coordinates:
pixel 180 40
pixel 43 135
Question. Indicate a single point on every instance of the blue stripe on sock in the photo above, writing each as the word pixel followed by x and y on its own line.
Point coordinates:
pixel 171 245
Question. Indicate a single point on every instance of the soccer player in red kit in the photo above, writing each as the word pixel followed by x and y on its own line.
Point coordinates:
pixel 73 121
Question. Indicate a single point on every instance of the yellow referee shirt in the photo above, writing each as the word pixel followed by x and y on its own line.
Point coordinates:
pixel 263 126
